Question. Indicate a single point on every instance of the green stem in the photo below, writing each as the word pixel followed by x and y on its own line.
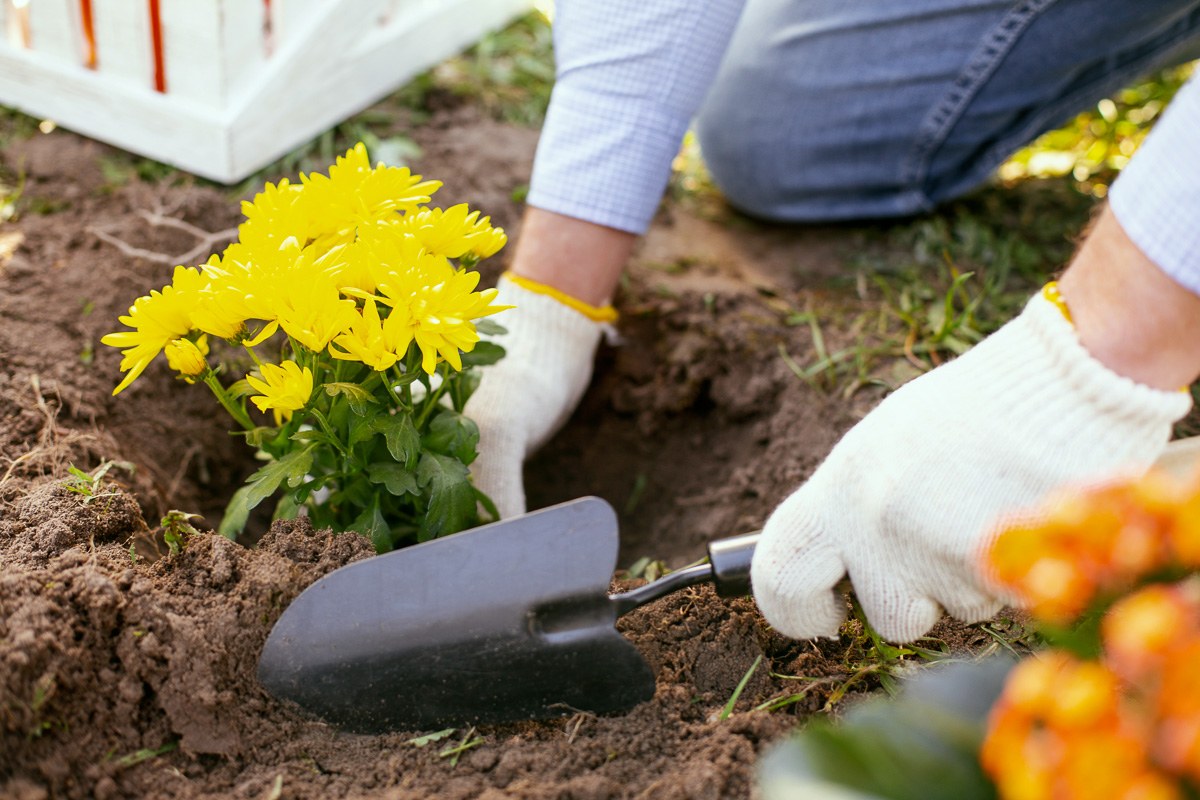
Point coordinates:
pixel 235 410
pixel 328 429
pixel 391 390
pixel 431 401
pixel 258 362
pixel 456 391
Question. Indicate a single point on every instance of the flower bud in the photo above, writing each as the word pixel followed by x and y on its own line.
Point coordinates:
pixel 186 357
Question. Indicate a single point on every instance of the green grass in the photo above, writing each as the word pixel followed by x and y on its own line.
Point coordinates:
pixel 1094 146
pixel 508 73
pixel 931 287
pixel 741 687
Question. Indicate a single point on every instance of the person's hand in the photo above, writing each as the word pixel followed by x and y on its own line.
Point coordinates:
pixel 527 396
pixel 904 501
pixel 563 273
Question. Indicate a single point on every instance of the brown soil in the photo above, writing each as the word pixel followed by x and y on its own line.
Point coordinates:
pixel 134 675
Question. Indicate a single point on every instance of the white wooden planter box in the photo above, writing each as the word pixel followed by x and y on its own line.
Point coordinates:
pixel 223 87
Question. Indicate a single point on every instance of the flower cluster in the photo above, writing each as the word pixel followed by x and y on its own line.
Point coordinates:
pixel 377 297
pixel 1098 541
pixel 307 253
pixel 1062 730
pixel 1115 712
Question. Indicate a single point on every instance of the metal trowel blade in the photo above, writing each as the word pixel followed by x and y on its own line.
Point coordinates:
pixel 505 622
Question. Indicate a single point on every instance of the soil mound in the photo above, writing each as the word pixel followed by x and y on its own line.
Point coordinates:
pixel 136 678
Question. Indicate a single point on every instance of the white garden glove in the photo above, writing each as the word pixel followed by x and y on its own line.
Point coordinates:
pixel 905 499
pixel 525 398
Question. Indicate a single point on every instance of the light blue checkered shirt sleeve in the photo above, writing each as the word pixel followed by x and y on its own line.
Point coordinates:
pixel 631 75
pixel 1157 197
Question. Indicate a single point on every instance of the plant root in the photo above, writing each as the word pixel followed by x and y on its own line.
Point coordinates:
pixel 159 217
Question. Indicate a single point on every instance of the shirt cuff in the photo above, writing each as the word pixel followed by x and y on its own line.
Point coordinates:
pixel 1157 197
pixel 604 159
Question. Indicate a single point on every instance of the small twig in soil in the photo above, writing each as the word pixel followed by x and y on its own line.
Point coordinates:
pixel 575 723
pixel 181 472
pixel 34 453
pixel 206 241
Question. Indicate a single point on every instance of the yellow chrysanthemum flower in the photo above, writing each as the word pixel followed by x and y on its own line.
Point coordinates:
pixel 454 232
pixel 354 267
pixel 187 357
pixel 157 319
pixel 308 305
pixel 354 193
pixel 438 316
pixel 486 243
pixel 274 215
pixel 219 310
pixel 430 301
pixel 366 341
pixel 285 388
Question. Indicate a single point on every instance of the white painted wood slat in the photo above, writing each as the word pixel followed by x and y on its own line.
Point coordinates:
pixel 230 107
pixel 191 34
pixel 243 41
pixel 54 29
pixel 124 49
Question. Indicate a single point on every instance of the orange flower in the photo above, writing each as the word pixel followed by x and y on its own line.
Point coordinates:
pixel 1063 730
pixel 1183 533
pixel 1178 709
pixel 1085 696
pixel 1152 786
pixel 1141 629
pixel 1095 541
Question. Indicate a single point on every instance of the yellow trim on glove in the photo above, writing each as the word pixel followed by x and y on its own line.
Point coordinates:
pixel 594 313
pixel 1051 293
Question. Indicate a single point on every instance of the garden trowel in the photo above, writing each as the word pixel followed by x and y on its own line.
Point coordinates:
pixel 506 622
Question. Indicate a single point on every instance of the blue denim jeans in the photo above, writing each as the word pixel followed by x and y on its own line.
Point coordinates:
pixel 855 109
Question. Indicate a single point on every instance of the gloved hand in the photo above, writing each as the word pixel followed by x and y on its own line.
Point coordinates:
pixel 528 395
pixel 905 500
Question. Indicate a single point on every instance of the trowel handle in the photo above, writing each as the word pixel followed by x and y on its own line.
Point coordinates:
pixel 728 570
pixel 730 559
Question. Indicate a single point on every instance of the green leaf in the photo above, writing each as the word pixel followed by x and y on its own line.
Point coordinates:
pixel 372 525
pixel 451 495
pixel 311 436
pixel 464 385
pixel 407 378
pixel 236 513
pixel 239 389
pixel 301 493
pixel 484 354
pixel 452 434
pixel 361 428
pixel 358 397
pixel 421 741
pixel 394 477
pixel 292 468
pixel 257 437
pixel 490 327
pixel 921 746
pixel 288 507
pixel 486 502
pixel 402 440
